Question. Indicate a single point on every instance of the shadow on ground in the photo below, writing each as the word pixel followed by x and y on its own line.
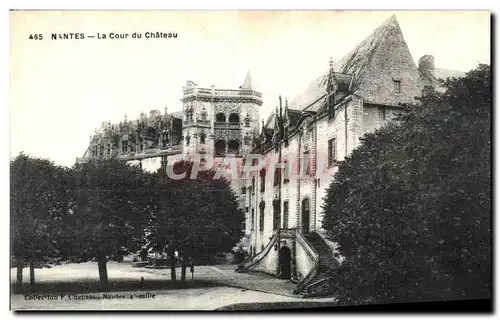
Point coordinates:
pixel 114 285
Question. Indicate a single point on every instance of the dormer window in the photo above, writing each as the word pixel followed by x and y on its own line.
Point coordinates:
pixel 397 86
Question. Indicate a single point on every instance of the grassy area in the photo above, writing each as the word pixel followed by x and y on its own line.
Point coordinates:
pixel 114 285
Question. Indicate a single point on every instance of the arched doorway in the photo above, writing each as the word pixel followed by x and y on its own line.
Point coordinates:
pixel 220 148
pixel 306 212
pixel 233 146
pixel 285 259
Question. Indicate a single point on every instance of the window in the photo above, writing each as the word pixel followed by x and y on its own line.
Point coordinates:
pixel 261 216
pixel 253 218
pixel 202 138
pixel 188 138
pixel 381 111
pixel 397 86
pixel 253 185
pixel 332 151
pixel 220 117
pixel 164 140
pixel 234 118
pixel 277 176
pixel 124 146
pixel 262 180
pixel 243 190
pixel 276 214
pixel 331 106
pixel 286 178
pixel 306 163
pixel 285 215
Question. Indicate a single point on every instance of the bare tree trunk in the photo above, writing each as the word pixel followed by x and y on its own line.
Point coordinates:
pixel 32 273
pixel 183 270
pixel 172 267
pixel 19 266
pixel 103 272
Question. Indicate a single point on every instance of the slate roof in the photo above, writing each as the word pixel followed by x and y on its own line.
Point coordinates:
pixel 364 64
pixel 371 69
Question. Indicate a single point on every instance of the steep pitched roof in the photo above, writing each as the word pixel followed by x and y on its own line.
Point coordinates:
pixel 374 64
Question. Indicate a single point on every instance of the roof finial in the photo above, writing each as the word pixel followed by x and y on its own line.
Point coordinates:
pixel 331 63
pixel 125 117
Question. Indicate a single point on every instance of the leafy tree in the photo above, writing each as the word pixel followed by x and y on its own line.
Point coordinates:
pixel 410 208
pixel 39 198
pixel 111 205
pixel 198 218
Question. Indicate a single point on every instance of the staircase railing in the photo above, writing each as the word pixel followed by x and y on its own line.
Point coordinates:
pixel 314 255
pixel 253 260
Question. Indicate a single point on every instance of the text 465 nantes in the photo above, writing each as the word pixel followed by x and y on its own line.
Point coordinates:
pixel 109 35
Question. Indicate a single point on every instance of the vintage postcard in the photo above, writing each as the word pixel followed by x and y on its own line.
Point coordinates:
pixel 250 160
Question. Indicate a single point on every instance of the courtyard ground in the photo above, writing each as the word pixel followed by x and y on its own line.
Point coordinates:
pixel 213 287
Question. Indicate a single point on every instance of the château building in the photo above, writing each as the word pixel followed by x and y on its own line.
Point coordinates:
pixel 320 127
pixel 309 135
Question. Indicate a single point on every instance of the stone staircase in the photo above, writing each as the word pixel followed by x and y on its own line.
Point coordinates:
pixel 326 261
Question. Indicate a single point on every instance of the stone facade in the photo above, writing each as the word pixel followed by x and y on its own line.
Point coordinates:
pixel 360 94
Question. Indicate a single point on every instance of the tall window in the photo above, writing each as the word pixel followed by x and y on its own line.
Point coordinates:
pixel 124 146
pixel 332 151
pixel 253 219
pixel 261 216
pixel 285 215
pixel 202 138
pixel 286 177
pixel 306 163
pixel 262 180
pixel 397 86
pixel 188 139
pixel 276 214
pixel 253 185
pixel 331 106
pixel 277 176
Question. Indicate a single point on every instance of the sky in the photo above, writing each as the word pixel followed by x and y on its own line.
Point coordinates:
pixel 61 90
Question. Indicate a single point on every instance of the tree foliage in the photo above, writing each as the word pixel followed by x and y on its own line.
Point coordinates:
pixel 411 207
pixel 111 208
pixel 38 201
pixel 196 217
